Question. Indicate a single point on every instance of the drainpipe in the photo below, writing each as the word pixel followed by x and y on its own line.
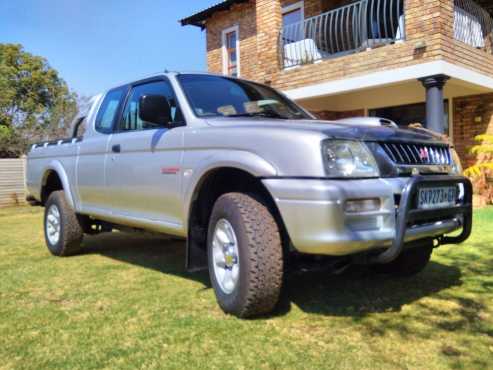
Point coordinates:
pixel 435 114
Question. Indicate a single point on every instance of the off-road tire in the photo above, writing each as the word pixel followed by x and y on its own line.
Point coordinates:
pixel 260 256
pixel 71 231
pixel 412 260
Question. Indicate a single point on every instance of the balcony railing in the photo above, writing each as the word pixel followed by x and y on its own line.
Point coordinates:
pixel 473 25
pixel 349 29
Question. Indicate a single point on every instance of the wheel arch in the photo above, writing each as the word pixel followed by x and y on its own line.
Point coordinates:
pixel 55 178
pixel 211 185
pixel 242 161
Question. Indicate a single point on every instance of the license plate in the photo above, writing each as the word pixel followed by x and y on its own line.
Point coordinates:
pixel 439 197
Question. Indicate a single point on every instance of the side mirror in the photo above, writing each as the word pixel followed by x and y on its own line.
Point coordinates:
pixel 155 109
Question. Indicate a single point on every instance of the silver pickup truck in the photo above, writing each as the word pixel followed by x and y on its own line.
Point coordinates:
pixel 249 178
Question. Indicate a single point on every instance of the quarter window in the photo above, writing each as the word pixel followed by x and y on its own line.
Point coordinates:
pixel 131 120
pixel 108 110
pixel 231 52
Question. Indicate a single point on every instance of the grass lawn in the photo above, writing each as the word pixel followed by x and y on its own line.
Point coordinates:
pixel 128 303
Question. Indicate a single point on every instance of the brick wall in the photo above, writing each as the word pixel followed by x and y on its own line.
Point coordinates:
pixel 259 23
pixel 473 115
pixel 243 15
pixel 269 21
pixel 424 23
pixel 427 21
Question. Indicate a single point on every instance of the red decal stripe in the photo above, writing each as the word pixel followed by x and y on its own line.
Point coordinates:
pixel 170 170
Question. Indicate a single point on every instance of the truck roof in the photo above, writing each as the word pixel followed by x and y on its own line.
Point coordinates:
pixel 170 73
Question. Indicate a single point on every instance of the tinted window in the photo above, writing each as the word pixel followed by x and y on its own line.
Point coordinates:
pixel 131 120
pixel 222 96
pixel 109 109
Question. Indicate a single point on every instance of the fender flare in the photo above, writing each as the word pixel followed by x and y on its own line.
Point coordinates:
pixel 241 160
pixel 245 161
pixel 58 168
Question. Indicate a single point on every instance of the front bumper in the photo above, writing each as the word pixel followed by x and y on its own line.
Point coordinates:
pixel 314 214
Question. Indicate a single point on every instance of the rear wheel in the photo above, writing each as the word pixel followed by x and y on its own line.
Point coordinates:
pixel 63 232
pixel 411 261
pixel 244 256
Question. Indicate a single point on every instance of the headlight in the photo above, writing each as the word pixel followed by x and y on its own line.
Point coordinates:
pixel 348 159
pixel 456 164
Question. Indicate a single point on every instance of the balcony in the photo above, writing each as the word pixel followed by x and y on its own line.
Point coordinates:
pixel 370 24
pixel 349 29
pixel 473 25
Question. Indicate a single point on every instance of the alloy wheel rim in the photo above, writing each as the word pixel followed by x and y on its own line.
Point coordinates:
pixel 53 226
pixel 225 256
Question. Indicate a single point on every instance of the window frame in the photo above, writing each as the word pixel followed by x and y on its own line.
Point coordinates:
pixel 292 7
pixel 80 123
pixel 125 89
pixel 133 85
pixel 224 34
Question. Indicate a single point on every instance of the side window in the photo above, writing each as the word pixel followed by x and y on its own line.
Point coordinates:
pixel 108 110
pixel 131 120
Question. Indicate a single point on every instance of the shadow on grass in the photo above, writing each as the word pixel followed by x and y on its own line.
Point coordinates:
pixel 360 291
pixel 152 252
pixel 355 293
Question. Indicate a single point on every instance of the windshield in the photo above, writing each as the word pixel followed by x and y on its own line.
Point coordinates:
pixel 216 96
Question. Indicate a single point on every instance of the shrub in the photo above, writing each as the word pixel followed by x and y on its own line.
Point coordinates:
pixel 481 173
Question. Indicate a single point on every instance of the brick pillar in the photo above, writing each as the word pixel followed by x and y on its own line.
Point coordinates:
pixel 428 19
pixel 447 17
pixel 269 21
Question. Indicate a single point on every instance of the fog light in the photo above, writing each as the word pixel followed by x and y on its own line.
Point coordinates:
pixel 362 205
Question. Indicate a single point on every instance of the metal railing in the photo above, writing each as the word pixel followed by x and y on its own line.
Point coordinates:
pixel 355 27
pixel 473 25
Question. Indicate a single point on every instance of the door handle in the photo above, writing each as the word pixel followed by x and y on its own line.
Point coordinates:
pixel 116 148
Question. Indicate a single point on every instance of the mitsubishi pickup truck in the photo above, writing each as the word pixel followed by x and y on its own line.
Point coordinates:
pixel 249 178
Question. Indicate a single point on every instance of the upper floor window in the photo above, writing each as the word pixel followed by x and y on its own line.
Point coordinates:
pixel 131 120
pixel 231 51
pixel 292 22
pixel 292 14
pixel 109 109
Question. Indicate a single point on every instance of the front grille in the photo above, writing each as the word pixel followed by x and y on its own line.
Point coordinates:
pixel 418 154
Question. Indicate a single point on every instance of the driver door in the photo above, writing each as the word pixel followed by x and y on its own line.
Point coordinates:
pixel 144 167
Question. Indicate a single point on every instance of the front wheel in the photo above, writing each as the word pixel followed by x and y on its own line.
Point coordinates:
pixel 63 231
pixel 244 256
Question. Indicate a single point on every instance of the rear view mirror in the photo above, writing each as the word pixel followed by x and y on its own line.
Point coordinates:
pixel 155 109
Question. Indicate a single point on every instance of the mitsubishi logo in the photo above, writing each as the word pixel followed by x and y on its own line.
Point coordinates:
pixel 424 155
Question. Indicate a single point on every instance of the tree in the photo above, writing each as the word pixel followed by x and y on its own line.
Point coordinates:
pixel 35 103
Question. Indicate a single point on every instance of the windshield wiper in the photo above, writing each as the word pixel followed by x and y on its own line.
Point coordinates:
pixel 259 114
